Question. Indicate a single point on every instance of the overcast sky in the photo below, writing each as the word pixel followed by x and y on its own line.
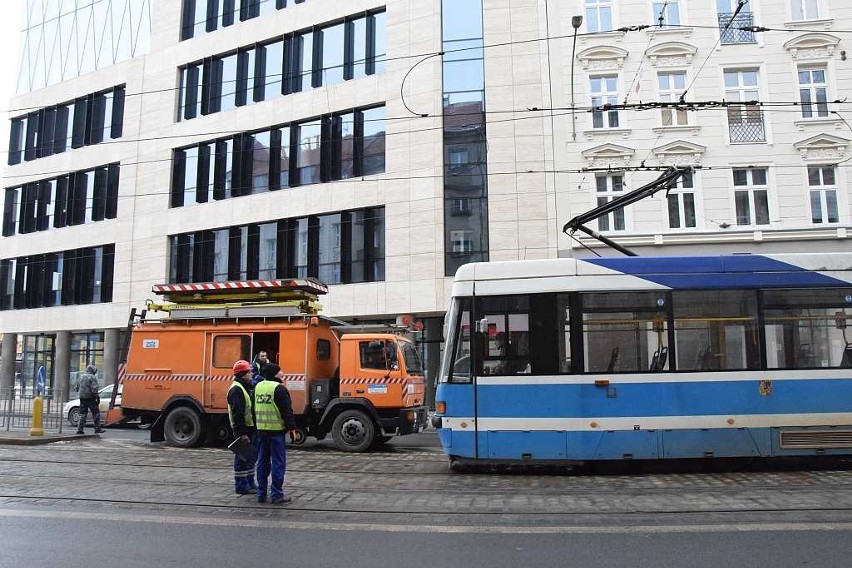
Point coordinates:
pixel 10 37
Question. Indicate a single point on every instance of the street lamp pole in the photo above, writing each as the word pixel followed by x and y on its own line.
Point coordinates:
pixel 576 22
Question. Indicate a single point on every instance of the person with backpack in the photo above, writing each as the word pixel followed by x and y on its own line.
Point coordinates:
pixel 88 389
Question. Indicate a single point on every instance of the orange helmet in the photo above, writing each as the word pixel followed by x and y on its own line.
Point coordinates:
pixel 241 366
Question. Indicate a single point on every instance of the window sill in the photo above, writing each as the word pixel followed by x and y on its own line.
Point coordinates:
pixel 820 122
pixel 825 23
pixel 683 31
pixel 612 35
pixel 675 129
pixel 593 132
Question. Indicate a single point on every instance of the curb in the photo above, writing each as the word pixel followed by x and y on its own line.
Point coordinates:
pixel 41 440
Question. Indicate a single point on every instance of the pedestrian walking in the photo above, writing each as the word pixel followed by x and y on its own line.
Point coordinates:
pixel 87 389
pixel 241 416
pixel 273 415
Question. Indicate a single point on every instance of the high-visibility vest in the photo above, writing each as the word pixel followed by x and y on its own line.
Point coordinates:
pixel 249 419
pixel 265 410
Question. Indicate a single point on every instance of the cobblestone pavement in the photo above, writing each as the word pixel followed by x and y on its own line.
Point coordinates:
pixel 412 486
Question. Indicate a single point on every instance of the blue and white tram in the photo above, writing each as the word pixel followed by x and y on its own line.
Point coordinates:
pixel 648 358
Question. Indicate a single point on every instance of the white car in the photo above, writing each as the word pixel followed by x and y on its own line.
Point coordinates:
pixel 72 407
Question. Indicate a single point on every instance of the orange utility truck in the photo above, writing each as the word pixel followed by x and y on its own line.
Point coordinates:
pixel 360 387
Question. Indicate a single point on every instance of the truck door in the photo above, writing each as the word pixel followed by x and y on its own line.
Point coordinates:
pixel 222 350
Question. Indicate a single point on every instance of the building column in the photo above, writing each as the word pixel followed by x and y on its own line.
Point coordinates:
pixel 111 352
pixel 62 366
pixel 7 360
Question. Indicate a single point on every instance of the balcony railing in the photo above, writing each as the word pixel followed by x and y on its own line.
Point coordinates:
pixel 745 125
pixel 733 34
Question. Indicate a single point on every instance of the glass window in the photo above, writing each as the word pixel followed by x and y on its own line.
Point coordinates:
pixel 807 328
pixel 716 330
pixel 672 85
pixel 260 162
pixel 267 251
pixel 460 337
pixel 381 49
pixel 805 9
pixel 813 92
pixel 308 154
pixel 374 141
pixel 245 76
pixel 329 249
pixel 751 195
pixel 332 54
pixel 604 92
pixel 598 16
pixel 228 99
pixel 230 348
pixel 666 13
pixel 625 332
pixel 505 341
pixel 191 175
pixel 306 62
pixel 323 350
pixel 274 66
pixel 347 146
pixel 608 188
pixel 284 159
pixel 681 203
pixel 745 122
pixel 301 248
pixel 822 185
pixel 359 48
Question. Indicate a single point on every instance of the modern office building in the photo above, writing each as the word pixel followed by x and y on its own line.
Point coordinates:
pixel 380 144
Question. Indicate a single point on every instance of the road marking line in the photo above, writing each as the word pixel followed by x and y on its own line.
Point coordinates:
pixel 441 529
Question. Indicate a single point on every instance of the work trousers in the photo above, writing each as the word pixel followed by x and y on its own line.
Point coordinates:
pixel 271 458
pixel 244 472
pixel 87 404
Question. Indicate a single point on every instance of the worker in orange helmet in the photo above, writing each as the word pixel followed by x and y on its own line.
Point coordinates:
pixel 241 415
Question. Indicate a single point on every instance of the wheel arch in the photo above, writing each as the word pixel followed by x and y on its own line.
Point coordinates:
pixel 157 432
pixel 340 404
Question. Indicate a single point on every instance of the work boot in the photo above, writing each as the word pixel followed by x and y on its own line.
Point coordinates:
pixel 99 431
pixel 80 432
pixel 281 500
pixel 261 498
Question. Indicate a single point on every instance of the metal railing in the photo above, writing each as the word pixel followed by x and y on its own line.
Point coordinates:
pixel 746 125
pixel 16 412
pixel 733 34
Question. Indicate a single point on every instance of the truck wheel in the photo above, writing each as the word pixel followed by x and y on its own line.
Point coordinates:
pixel 353 431
pixel 182 427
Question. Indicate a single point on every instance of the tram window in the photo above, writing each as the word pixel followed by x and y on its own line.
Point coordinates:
pixel 460 336
pixel 564 341
pixel 716 330
pixel 506 341
pixel 807 328
pixel 625 332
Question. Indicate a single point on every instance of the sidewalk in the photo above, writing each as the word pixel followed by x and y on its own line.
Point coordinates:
pixel 23 438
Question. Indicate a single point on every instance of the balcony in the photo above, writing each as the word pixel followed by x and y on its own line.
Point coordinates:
pixel 733 34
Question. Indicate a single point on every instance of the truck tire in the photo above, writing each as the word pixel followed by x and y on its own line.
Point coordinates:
pixel 353 431
pixel 182 427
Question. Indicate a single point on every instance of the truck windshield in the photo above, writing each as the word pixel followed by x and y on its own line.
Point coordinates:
pixel 412 359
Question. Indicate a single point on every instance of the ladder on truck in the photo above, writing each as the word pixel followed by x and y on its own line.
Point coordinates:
pixel 219 300
pixel 239 299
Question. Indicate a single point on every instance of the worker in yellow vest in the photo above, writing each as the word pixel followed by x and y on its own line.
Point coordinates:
pixel 241 416
pixel 274 416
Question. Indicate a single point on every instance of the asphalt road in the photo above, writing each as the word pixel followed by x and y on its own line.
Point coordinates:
pixel 121 500
pixel 69 540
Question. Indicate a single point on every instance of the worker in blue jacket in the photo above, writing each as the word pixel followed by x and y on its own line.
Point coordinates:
pixel 241 416
pixel 273 416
